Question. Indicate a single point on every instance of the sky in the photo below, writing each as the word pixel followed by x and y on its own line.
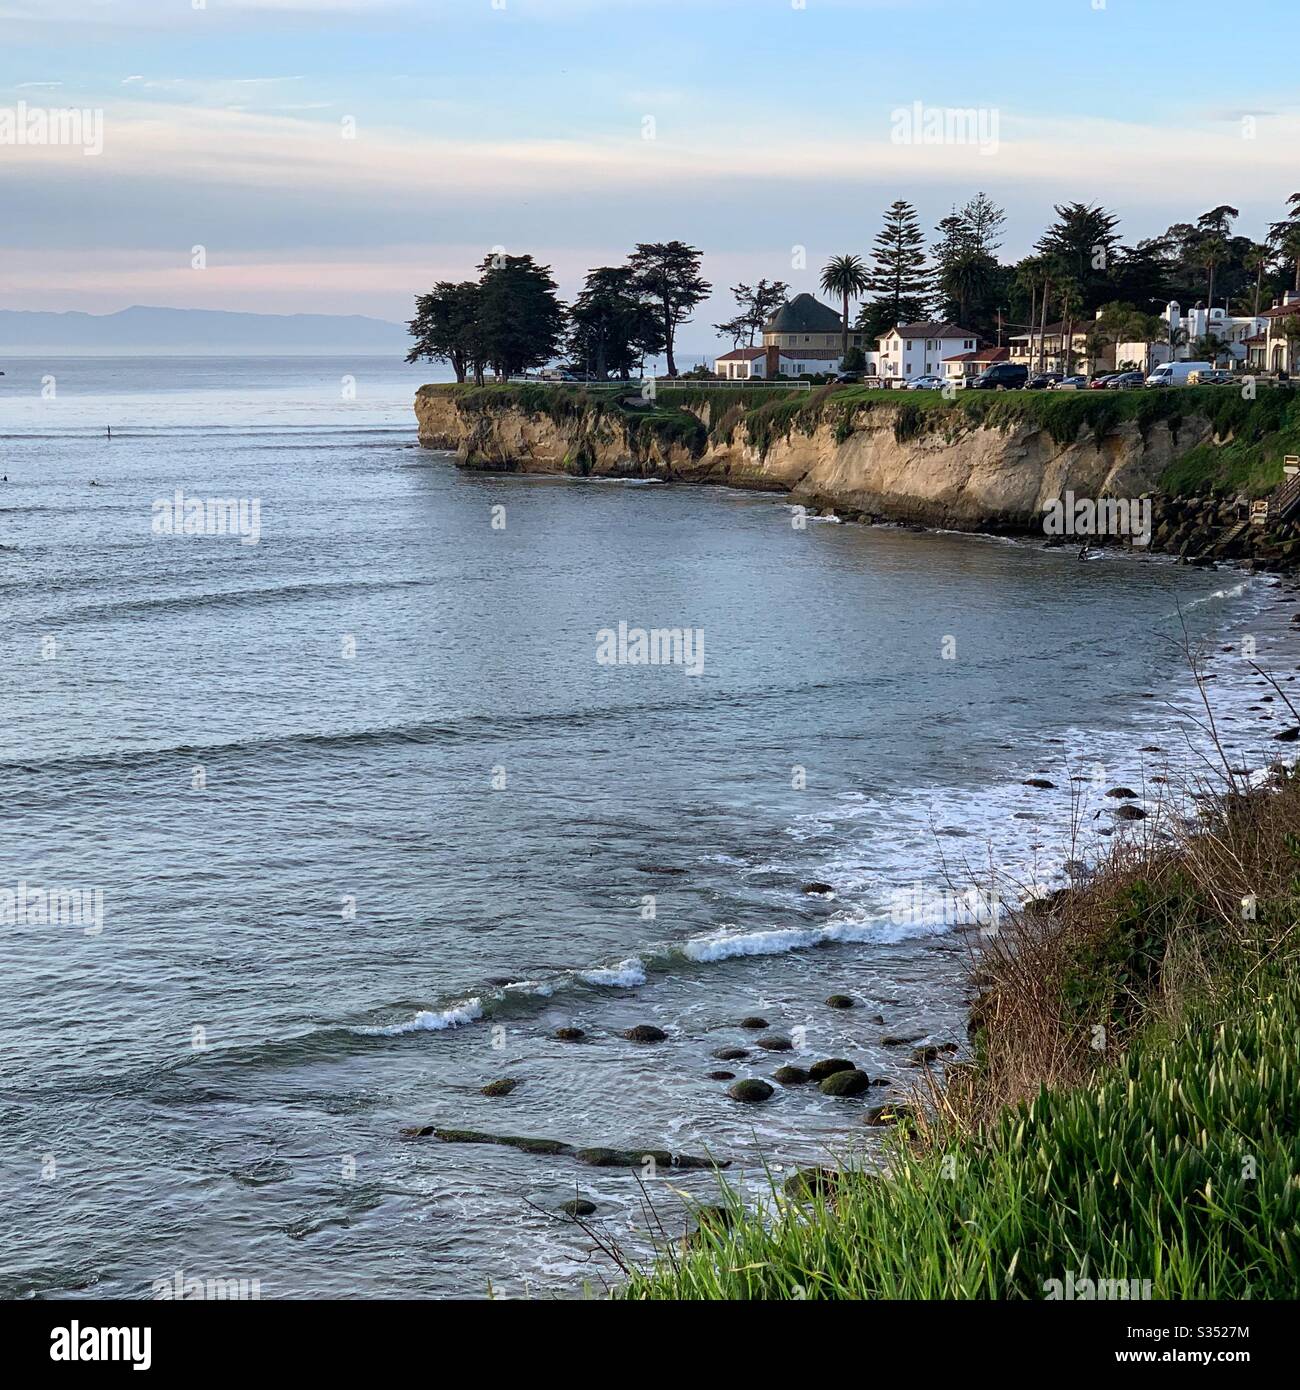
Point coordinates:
pixel 339 156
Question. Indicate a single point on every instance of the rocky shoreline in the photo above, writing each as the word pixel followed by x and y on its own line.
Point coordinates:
pixel 895 462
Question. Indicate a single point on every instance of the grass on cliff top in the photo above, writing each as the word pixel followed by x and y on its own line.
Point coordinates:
pixel 1249 439
pixel 1130 1113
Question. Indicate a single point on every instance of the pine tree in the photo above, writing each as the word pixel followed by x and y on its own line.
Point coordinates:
pixel 900 281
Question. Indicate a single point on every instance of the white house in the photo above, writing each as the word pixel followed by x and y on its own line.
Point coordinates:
pixel 767 363
pixel 919 349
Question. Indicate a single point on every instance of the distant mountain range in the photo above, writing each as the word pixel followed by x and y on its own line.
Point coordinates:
pixel 142 330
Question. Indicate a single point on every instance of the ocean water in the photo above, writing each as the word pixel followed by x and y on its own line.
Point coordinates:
pixel 366 821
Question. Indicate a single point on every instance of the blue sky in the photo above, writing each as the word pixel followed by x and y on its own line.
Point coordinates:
pixel 523 123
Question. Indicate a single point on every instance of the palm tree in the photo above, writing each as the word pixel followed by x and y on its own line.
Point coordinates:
pixel 1028 273
pixel 847 277
pixel 968 278
pixel 1146 329
pixel 1291 332
pixel 1209 254
pixel 1071 299
pixel 1256 259
pixel 1176 338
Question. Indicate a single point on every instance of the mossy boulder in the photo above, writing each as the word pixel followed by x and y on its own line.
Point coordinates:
pixel 790 1076
pixel 753 1022
pixel 845 1083
pixel 828 1066
pixel 840 1001
pixel 731 1054
pixel 751 1091
pixel 578 1207
pixel 775 1042
pixel 503 1087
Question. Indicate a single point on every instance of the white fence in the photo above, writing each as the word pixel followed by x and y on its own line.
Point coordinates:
pixel 665 383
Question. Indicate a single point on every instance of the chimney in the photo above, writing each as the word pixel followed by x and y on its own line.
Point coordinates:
pixel 773 360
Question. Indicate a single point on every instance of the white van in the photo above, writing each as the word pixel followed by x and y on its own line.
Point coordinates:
pixel 1176 373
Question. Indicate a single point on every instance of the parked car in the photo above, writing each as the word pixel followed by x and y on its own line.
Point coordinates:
pixel 1218 377
pixel 1099 383
pixel 929 382
pixel 1001 376
pixel 1124 381
pixel 849 378
pixel 1071 383
pixel 1176 373
pixel 1042 381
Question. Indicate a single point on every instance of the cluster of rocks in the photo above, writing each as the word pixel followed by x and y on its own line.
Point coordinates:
pixel 838 1077
pixel 1203 530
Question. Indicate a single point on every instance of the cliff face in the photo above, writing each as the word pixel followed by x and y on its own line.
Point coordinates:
pixel 966 476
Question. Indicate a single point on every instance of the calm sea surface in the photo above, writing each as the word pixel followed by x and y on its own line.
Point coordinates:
pixel 368 821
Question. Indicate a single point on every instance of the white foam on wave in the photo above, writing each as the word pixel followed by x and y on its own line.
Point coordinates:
pixel 625 975
pixel 844 928
pixel 431 1020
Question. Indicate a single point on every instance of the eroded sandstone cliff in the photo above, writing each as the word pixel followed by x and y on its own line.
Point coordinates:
pixel 949 472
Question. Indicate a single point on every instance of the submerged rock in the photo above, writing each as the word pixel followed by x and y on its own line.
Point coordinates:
pixel 570 1034
pixel 731 1054
pixel 1041 782
pixel 753 1022
pixel 601 1157
pixel 751 1091
pixel 578 1207
pixel 646 1033
pixel 525 1143
pixel 901 1039
pixel 840 1001
pixel 774 1042
pixel 819 890
pixel 845 1083
pixel 1124 793
pixel 1127 812
pixel 722 1076
pixel 500 1088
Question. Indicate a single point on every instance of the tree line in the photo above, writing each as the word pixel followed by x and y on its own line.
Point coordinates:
pixel 511 318
pixel 1079 264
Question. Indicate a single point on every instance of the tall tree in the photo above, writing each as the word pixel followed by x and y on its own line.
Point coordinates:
pixel 520 317
pixel 1284 236
pixel 756 304
pixel 1209 254
pixel 899 281
pixel 847 277
pixel 667 274
pixel 1257 259
pixel 445 328
pixel 982 221
pixel 611 328
pixel 1084 242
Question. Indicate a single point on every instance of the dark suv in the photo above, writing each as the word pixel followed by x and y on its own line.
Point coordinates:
pixel 1001 376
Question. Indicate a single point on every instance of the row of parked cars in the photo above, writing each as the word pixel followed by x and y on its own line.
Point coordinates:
pixel 1011 376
